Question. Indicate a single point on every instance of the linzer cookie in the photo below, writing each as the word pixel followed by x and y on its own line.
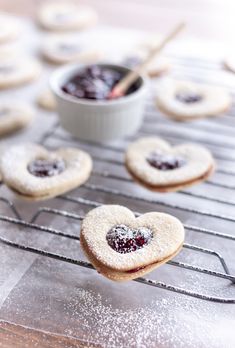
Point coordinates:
pixel 185 101
pixel 68 48
pixel 123 247
pixel 14 116
pixel 18 71
pixel 34 173
pixel 65 16
pixel 160 167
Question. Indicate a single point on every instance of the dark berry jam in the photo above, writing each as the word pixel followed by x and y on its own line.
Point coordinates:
pixel 124 239
pixel 165 161
pixel 131 61
pixel 95 82
pixel 45 168
pixel 188 97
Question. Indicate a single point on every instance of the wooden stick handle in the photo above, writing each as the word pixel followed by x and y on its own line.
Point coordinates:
pixel 123 85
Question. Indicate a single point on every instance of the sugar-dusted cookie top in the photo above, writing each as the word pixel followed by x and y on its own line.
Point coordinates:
pixel 65 15
pixel 36 173
pixel 185 100
pixel 158 164
pixel 122 242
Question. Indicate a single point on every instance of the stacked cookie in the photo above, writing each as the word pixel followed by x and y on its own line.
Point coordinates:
pixel 185 100
pixel 122 247
pixel 157 165
pixel 34 173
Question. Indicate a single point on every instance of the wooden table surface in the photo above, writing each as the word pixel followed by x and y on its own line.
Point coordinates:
pixel 207 19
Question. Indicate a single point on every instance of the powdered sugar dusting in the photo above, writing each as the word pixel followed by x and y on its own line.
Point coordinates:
pixel 155 325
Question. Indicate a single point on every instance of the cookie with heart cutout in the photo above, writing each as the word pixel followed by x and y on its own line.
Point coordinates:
pixel 14 116
pixel 158 166
pixel 123 247
pixel 157 67
pixel 18 71
pixel 65 16
pixel 185 101
pixel 67 49
pixel 46 100
pixel 34 173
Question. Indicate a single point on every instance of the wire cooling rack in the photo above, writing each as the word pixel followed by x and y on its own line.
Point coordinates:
pixel 217 134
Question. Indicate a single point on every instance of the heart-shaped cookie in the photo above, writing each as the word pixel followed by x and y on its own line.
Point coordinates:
pixel 158 166
pixel 123 247
pixel 35 173
pixel 185 100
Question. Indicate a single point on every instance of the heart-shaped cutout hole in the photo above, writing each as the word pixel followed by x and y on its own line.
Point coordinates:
pixel 124 239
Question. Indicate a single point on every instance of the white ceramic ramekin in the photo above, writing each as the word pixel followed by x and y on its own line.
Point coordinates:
pixel 96 120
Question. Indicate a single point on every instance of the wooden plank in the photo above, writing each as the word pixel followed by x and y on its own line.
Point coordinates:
pixel 17 336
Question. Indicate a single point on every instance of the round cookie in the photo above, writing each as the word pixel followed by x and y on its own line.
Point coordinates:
pixel 65 16
pixel 155 164
pixel 46 100
pixel 157 67
pixel 67 49
pixel 123 247
pixel 34 173
pixel 185 101
pixel 9 28
pixel 14 116
pixel 18 71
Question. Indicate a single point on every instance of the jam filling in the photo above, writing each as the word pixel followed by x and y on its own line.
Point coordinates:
pixel 188 97
pixel 95 82
pixel 124 239
pixel 46 168
pixel 165 162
